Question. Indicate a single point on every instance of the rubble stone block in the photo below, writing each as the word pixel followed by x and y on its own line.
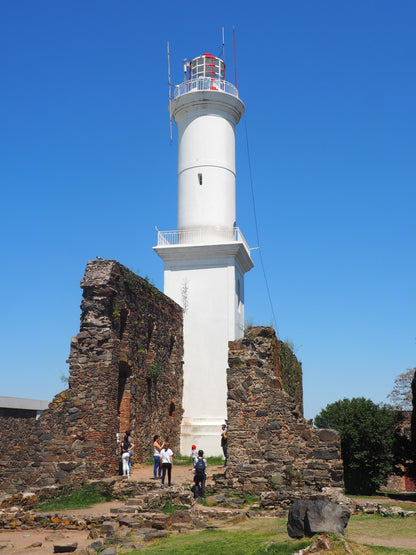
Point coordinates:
pixel 310 517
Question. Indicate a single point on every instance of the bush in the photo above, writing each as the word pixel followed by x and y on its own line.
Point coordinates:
pixel 367 441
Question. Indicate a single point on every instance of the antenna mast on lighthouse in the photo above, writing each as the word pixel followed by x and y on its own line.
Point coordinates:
pixel 235 60
pixel 169 91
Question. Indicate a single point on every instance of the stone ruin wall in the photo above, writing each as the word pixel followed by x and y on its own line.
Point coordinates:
pixel 125 373
pixel 14 424
pixel 273 451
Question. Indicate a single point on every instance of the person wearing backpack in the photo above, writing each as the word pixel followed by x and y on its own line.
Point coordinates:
pixel 200 475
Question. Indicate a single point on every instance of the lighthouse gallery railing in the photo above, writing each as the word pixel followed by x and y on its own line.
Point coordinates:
pixel 201 236
pixel 204 84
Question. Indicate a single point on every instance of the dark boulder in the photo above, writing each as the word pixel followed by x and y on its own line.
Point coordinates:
pixel 309 517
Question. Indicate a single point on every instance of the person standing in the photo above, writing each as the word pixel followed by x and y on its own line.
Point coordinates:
pixel 224 443
pixel 130 439
pixel 194 454
pixel 126 447
pixel 200 475
pixel 166 458
pixel 157 448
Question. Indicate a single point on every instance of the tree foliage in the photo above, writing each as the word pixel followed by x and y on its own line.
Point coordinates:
pixel 401 395
pixel 367 441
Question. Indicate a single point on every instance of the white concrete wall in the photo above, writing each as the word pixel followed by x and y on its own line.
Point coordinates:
pixel 206 159
pixel 206 149
pixel 206 290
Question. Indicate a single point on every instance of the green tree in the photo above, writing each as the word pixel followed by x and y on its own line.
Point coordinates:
pixel 367 441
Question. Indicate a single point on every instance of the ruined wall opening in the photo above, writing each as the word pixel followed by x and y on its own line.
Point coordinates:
pixel 124 396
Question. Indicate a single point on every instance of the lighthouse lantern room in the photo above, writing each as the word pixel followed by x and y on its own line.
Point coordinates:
pixel 206 258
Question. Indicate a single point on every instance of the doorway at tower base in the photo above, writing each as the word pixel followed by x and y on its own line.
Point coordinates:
pixel 204 433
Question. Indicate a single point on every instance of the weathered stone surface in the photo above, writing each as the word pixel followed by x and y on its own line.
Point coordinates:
pixel 109 527
pixel 310 517
pixel 97 545
pixel 109 551
pixel 272 449
pixel 155 534
pixel 125 373
pixel 65 548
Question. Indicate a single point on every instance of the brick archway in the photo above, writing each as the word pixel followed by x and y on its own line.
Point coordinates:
pixel 124 397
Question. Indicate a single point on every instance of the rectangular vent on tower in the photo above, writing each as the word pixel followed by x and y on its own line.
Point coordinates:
pixel 200 178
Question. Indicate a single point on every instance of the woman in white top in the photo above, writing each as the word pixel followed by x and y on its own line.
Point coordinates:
pixel 166 458
pixel 157 447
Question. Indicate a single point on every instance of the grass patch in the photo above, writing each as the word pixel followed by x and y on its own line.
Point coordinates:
pixel 81 498
pixel 267 535
pixel 380 527
pixel 257 536
pixel 178 460
pixel 169 508
pixel 215 461
pixel 387 501
pixel 184 460
pixel 250 498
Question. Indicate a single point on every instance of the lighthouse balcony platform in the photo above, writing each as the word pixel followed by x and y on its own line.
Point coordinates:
pixel 204 84
pixel 215 246
pixel 201 237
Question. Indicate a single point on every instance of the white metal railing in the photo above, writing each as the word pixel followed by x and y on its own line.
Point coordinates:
pixel 204 84
pixel 201 236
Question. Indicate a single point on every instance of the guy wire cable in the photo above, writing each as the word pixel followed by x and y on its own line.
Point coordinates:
pixel 257 228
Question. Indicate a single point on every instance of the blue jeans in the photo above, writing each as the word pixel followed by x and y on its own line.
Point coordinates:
pixel 157 470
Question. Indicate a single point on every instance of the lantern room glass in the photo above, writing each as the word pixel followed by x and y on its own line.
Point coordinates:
pixel 207 66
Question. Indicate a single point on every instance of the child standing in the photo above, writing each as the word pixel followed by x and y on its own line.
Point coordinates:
pixel 194 454
pixel 166 458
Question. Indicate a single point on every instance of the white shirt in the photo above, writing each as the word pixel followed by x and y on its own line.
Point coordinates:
pixel 165 455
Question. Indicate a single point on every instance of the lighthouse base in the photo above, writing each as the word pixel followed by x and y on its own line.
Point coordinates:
pixel 204 433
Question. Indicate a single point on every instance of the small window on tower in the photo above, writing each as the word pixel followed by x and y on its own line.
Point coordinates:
pixel 200 178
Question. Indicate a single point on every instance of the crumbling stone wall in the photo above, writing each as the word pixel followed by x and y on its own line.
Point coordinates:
pixel 125 373
pixel 271 447
pixel 15 423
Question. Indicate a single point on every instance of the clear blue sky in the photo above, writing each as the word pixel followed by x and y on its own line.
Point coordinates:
pixel 87 169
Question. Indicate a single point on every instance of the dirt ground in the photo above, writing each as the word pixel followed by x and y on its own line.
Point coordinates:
pixel 21 542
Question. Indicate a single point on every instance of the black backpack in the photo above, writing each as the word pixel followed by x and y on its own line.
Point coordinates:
pixel 200 466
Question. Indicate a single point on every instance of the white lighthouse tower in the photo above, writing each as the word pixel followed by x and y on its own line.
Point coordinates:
pixel 206 258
